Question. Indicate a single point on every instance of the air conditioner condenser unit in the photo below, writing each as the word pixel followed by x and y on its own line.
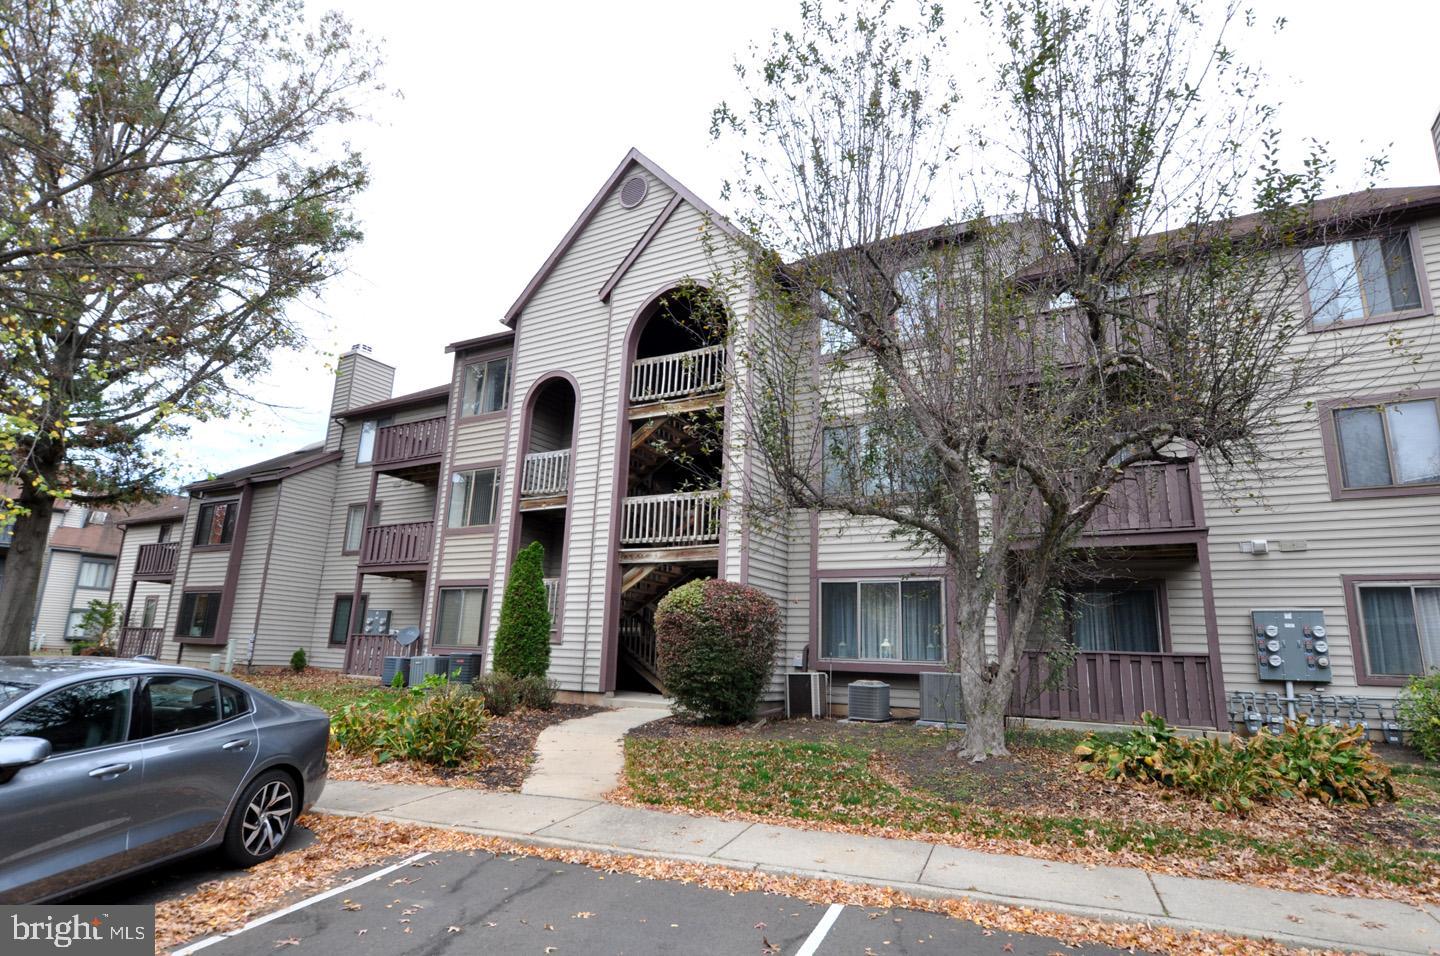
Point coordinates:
pixel 940 702
pixel 807 694
pixel 869 700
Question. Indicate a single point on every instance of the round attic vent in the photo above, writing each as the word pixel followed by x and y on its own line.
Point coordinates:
pixel 632 192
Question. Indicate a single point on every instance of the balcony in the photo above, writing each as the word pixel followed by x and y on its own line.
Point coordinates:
pixel 677 520
pixel 134 641
pixel 156 562
pixel 1148 498
pixel 365 653
pixel 1117 687
pixel 410 446
pixel 546 474
pixel 397 550
pixel 680 375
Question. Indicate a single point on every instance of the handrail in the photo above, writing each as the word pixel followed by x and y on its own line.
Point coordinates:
pixel 397 544
pixel 409 441
pixel 678 374
pixel 545 473
pixel 157 558
pixel 690 517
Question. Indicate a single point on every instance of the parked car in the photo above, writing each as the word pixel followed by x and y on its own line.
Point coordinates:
pixel 111 766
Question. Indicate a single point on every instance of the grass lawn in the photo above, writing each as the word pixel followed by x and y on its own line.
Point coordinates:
pixel 899 780
pixel 509 741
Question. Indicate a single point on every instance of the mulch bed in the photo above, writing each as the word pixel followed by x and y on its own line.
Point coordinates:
pixel 348 846
pixel 509 745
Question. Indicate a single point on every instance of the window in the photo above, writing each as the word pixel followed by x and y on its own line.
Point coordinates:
pixel 834 337
pixel 1361 279
pixel 919 301
pixel 95 573
pixel 472 498
pixel 165 531
pixel 177 704
pixel 79 717
pixel 1394 445
pixel 487 387
pixel 198 613
pixel 152 608
pixel 882 620
pixel 340 617
pixel 73 628
pixel 1401 625
pixel 860 455
pixel 233 702
pixel 1114 619
pixel 97 517
pixel 365 451
pixel 462 617
pixel 216 523
pixel 355 526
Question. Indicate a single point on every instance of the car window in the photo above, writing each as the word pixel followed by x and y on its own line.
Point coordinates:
pixel 180 703
pixel 233 702
pixel 9 690
pixel 77 717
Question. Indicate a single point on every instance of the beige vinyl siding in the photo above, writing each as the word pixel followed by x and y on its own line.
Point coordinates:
pixel 285 617
pixel 565 327
pixel 131 616
pixel 1355 536
pixel 250 581
pixel 59 587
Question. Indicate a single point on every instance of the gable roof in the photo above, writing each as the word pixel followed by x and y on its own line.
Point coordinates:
pixel 423 397
pixel 169 508
pixel 269 469
pixel 100 539
pixel 632 158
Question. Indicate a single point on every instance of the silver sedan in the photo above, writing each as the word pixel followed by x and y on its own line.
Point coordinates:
pixel 108 767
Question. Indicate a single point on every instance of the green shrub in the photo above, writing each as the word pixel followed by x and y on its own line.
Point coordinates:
pixel 1420 714
pixel 298 660
pixel 522 641
pixel 1325 763
pixel 715 647
pixel 435 723
pixel 505 693
pixel 441 728
pixel 398 681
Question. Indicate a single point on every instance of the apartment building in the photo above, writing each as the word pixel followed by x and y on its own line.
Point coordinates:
pixel 569 428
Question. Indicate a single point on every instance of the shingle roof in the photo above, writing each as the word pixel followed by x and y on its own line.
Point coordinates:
pixel 269 468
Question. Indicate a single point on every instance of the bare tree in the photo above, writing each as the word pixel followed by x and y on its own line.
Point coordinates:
pixel 982 386
pixel 169 184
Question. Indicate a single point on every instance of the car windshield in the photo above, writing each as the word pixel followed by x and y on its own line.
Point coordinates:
pixel 9 690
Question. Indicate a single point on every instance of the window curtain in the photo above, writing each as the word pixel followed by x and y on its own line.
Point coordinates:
pixel 1427 621
pixel 1415 438
pixel 837 611
pixel 921 622
pixel 1123 621
pixel 880 621
pixel 1387 274
pixel 1392 642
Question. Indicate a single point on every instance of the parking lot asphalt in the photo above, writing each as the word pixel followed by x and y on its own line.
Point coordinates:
pixel 471 903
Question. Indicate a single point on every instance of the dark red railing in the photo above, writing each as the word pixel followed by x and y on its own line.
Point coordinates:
pixel 1117 687
pixel 409 441
pixel 156 560
pixel 1147 498
pixel 366 653
pixel 396 545
pixel 135 641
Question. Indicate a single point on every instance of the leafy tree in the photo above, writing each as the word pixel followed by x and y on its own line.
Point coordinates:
pixel 981 386
pixel 99 620
pixel 522 641
pixel 170 182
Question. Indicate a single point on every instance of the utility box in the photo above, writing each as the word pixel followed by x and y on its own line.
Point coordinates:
pixel 1291 645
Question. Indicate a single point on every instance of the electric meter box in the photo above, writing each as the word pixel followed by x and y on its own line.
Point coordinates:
pixel 1291 645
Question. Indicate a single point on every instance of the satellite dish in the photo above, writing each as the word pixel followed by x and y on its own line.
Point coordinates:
pixel 407 636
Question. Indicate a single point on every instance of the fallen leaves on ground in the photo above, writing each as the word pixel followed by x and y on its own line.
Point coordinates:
pixel 345 844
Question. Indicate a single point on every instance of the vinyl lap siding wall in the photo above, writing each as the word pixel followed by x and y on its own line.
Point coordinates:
pixel 1356 536
pixel 54 609
pixel 284 618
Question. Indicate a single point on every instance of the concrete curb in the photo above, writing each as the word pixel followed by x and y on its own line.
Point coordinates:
pixel 919 890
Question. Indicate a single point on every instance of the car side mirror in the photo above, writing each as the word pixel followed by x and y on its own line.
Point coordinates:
pixel 18 752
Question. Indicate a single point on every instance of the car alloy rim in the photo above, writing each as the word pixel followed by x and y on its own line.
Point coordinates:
pixel 267 817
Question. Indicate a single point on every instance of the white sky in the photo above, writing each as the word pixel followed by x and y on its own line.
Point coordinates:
pixel 512 115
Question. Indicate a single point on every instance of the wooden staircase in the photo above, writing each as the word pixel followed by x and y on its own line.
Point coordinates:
pixel 641 588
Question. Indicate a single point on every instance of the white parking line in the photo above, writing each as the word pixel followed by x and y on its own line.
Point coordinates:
pixel 817 935
pixel 262 920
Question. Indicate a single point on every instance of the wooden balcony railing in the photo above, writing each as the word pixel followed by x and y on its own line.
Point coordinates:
pixel 637 636
pixel 688 517
pixel 552 600
pixel 546 474
pixel 1148 498
pixel 678 375
pixel 1117 687
pixel 365 653
pixel 156 560
pixel 135 641
pixel 397 545
pixel 409 441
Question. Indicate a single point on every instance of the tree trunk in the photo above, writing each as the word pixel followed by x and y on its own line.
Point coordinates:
pixel 23 567
pixel 984 730
pixel 984 686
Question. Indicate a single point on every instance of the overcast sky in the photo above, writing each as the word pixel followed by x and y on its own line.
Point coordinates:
pixel 512 115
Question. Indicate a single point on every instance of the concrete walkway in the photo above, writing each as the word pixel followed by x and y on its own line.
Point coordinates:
pixel 582 759
pixel 921 869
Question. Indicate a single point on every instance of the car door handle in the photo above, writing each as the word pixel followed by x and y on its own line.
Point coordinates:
pixel 110 770
pixel 238 744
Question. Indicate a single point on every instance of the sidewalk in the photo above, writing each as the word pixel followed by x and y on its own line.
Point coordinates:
pixel 921 869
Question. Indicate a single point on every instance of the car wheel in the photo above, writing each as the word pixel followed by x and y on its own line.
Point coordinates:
pixel 262 818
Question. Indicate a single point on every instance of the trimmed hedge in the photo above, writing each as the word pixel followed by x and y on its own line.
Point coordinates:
pixel 715 647
pixel 522 641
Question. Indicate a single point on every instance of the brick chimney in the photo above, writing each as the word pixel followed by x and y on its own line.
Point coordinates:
pixel 359 380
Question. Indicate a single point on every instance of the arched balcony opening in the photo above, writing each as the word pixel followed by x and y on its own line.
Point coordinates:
pixel 550 434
